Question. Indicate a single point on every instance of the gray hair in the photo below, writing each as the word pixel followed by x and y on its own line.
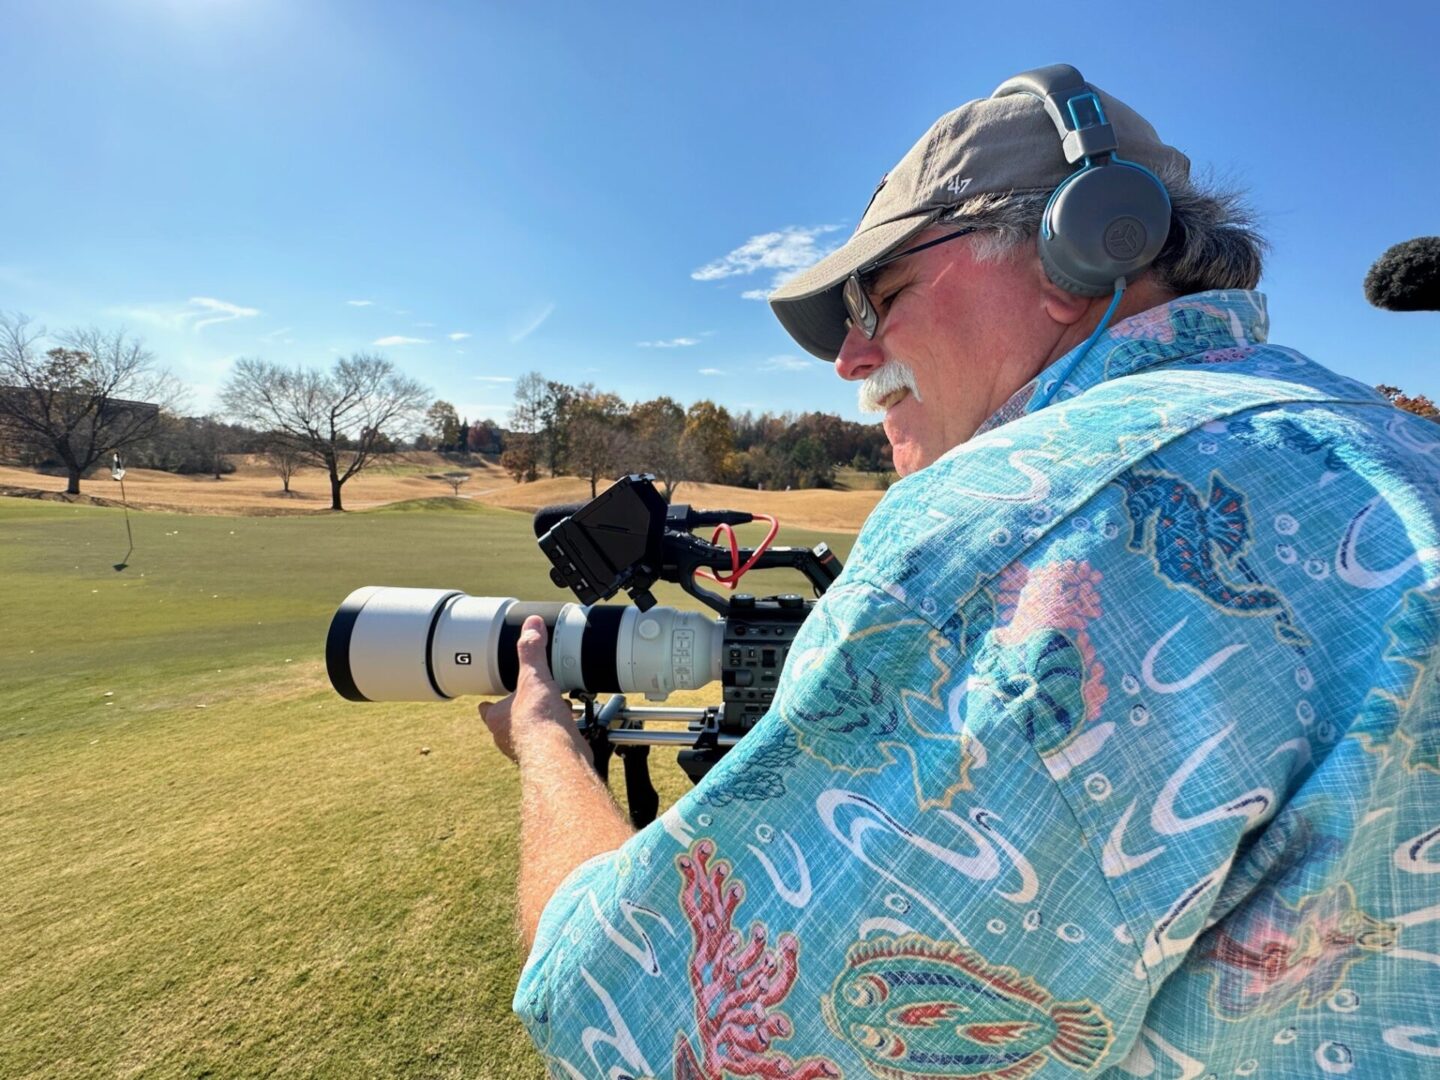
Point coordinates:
pixel 1214 241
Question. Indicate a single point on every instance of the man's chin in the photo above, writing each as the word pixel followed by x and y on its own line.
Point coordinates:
pixel 906 458
pixel 907 452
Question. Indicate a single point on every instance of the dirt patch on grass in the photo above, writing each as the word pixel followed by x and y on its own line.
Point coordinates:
pixel 17 492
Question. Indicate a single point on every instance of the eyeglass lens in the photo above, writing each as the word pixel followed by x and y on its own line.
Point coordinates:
pixel 857 305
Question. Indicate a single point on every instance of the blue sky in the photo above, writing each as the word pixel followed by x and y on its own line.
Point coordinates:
pixel 481 190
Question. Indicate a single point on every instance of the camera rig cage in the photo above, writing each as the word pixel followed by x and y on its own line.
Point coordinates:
pixel 628 538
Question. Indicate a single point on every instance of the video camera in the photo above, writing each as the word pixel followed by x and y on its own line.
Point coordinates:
pixel 396 644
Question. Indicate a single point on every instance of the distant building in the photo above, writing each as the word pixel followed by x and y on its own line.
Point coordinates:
pixel 57 412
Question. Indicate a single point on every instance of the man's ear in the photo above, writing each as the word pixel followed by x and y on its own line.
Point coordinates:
pixel 1064 307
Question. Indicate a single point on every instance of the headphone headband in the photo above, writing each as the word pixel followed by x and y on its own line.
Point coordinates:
pixel 1072 105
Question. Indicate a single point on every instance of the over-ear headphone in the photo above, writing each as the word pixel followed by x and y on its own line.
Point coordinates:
pixel 1108 219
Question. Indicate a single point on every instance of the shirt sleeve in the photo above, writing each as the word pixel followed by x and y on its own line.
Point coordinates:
pixel 882 875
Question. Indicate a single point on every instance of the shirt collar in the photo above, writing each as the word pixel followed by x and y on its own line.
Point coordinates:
pixel 1224 324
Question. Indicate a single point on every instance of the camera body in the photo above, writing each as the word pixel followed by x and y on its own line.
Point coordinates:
pixel 628 538
pixel 757 641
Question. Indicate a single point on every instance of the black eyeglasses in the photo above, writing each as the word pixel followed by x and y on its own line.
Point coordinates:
pixel 862 314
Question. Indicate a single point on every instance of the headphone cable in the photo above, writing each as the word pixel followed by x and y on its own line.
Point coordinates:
pixel 1100 328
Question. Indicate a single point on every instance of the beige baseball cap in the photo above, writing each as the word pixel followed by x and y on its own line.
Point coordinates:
pixel 990 145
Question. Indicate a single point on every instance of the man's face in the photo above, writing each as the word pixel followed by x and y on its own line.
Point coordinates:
pixel 970 333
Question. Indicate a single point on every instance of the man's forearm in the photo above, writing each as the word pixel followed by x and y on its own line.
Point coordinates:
pixel 566 816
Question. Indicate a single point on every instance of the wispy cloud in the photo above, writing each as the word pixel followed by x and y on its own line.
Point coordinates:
pixel 220 311
pixel 195 314
pixel 425 325
pixel 493 378
pixel 397 339
pixel 787 363
pixel 273 334
pixel 531 322
pixel 458 335
pixel 360 303
pixel 783 254
pixel 673 343
pixel 711 371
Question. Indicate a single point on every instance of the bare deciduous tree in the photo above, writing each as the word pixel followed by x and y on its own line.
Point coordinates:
pixel 338 419
pixel 284 457
pixel 91 393
pixel 455 479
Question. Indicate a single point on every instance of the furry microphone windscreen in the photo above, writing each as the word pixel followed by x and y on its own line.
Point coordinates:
pixel 1407 277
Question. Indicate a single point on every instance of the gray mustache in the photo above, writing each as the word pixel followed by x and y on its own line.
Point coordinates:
pixel 878 385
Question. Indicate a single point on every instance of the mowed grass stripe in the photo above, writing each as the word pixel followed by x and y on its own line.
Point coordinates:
pixel 280 882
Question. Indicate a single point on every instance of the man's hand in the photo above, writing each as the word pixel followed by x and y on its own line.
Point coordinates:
pixel 537 709
pixel 559 788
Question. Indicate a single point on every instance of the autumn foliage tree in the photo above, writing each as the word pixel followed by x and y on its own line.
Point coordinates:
pixel 484 437
pixel 659 446
pixel 519 460
pixel 443 423
pixel 599 435
pixel 1420 405
pixel 709 442
pixel 582 431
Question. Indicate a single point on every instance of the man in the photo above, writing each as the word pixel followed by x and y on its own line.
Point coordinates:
pixel 1116 747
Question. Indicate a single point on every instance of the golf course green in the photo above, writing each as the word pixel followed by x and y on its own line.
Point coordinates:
pixel 210 864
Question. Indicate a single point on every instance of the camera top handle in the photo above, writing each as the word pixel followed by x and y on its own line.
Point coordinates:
pixel 628 538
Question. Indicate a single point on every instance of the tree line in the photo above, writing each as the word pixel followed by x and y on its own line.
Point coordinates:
pixel 77 397
pixel 74 398
pixel 557 429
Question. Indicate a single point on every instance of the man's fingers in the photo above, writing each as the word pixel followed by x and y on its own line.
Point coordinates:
pixel 531 646
pixel 532 631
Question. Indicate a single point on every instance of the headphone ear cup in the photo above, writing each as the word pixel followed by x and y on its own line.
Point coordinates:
pixel 1059 262
pixel 1104 222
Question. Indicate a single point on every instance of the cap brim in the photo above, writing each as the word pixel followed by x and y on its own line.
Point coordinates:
pixel 810 306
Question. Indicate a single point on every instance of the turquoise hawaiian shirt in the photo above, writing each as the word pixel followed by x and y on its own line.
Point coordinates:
pixel 1115 750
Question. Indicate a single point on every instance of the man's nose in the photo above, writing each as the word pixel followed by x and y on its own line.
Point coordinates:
pixel 858 356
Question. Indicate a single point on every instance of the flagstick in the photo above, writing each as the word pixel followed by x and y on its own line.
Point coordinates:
pixel 125 503
pixel 117 472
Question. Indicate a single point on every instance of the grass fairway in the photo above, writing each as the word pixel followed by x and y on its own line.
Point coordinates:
pixel 210 864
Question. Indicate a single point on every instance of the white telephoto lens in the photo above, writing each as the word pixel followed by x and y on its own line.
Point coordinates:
pixel 396 644
pixel 378 650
